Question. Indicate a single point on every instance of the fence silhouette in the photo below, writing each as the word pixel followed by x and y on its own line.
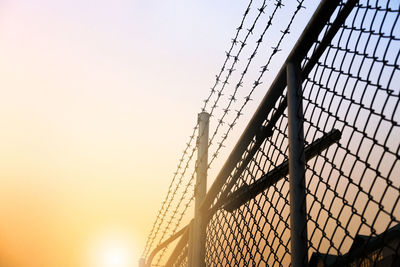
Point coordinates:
pixel 314 178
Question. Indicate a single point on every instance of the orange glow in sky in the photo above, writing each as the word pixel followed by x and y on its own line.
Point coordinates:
pixel 111 249
pixel 97 99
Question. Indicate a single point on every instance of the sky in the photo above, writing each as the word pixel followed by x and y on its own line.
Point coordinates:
pixel 97 100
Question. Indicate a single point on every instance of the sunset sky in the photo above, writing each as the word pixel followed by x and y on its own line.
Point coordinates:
pixel 97 99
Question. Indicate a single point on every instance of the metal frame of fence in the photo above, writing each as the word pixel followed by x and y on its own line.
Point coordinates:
pixel 321 151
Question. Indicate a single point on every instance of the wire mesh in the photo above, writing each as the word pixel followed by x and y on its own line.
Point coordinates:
pixel 351 128
pixel 352 186
pixel 258 232
pixel 228 98
pixel 182 258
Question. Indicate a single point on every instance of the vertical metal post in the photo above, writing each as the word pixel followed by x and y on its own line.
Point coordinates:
pixel 191 241
pixel 298 216
pixel 198 231
pixel 142 262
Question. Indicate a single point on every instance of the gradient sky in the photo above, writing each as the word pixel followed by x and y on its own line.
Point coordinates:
pixel 97 99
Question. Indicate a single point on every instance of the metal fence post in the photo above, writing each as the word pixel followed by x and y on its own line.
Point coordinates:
pixel 198 231
pixel 298 216
pixel 142 262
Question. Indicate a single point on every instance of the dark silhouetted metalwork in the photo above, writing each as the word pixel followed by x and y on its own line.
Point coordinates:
pixel 347 72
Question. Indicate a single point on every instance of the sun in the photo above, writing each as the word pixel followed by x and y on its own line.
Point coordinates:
pixel 113 250
pixel 115 255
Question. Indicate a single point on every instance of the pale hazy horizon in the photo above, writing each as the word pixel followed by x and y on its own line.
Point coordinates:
pixel 97 101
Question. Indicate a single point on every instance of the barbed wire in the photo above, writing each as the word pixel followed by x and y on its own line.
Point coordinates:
pixel 161 218
pixel 258 231
pixel 171 193
pixel 261 10
pixel 353 195
pixel 235 41
pixel 257 82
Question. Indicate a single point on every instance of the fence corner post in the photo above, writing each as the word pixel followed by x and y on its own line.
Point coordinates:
pixel 198 231
pixel 298 215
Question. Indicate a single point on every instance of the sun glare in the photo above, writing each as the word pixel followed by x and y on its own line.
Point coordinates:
pixel 115 256
pixel 113 251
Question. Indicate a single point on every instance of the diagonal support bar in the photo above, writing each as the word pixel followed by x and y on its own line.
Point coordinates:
pixel 165 244
pixel 181 248
pixel 247 192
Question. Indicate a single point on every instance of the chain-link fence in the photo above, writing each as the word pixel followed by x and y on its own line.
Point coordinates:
pixel 348 60
pixel 353 187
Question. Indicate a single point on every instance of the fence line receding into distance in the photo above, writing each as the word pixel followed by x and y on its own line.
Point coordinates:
pixel 346 60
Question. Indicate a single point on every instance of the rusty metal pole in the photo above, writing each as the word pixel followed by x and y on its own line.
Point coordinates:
pixel 298 215
pixel 198 231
